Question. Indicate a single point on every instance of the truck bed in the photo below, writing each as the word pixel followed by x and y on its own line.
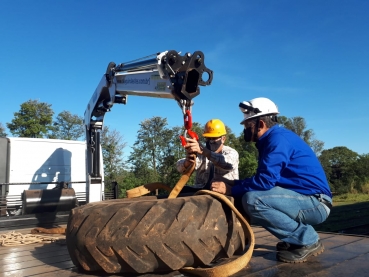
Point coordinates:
pixel 345 255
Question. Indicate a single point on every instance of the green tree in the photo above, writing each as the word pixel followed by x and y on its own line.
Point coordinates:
pixel 127 180
pixel 2 131
pixel 68 126
pixel 298 125
pixel 34 120
pixel 232 140
pixel 144 156
pixel 112 145
pixel 248 157
pixel 154 151
pixel 337 163
pixel 172 151
pixel 361 172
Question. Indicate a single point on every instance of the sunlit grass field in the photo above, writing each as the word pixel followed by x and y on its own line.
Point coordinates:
pixel 350 215
pixel 349 198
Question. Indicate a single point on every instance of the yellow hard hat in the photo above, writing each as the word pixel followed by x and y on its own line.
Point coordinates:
pixel 214 128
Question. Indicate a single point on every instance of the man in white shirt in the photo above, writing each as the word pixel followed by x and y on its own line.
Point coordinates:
pixel 212 161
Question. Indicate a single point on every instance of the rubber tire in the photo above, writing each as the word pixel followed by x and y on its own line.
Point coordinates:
pixel 147 234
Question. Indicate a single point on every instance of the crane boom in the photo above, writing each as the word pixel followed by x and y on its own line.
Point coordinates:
pixel 164 75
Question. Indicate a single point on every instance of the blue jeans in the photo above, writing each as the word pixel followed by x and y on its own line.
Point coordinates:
pixel 286 214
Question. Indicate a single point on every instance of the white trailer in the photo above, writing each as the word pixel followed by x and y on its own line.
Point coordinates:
pixel 31 163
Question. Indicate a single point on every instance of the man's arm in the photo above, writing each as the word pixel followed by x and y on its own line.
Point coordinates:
pixel 227 161
pixel 273 159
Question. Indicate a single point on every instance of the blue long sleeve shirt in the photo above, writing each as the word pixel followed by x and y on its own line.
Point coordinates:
pixel 285 160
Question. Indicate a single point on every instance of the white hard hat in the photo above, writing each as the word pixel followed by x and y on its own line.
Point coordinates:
pixel 257 107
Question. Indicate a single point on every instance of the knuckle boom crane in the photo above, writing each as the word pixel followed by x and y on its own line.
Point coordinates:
pixel 164 75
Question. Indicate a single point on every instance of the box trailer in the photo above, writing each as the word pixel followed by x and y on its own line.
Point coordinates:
pixel 42 164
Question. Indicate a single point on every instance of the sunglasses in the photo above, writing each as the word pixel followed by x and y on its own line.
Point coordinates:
pixel 213 139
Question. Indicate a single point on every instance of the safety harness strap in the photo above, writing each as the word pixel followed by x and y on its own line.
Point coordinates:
pixel 183 180
pixel 145 189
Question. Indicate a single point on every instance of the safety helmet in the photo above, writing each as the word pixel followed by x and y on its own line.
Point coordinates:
pixel 257 107
pixel 214 128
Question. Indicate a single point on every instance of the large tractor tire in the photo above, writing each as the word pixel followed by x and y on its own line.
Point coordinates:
pixel 147 234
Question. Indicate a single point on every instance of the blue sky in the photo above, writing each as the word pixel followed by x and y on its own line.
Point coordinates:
pixel 310 57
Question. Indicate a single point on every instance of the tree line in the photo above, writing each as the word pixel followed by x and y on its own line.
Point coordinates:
pixel 157 149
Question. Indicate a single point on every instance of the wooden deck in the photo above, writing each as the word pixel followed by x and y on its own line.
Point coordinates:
pixel 344 256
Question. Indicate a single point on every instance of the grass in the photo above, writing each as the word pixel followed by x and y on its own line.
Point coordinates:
pixel 350 215
pixel 349 198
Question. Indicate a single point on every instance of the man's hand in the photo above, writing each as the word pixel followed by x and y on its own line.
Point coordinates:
pixel 221 187
pixel 190 159
pixel 193 146
pixel 224 180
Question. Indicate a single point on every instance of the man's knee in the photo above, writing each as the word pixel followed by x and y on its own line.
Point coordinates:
pixel 249 198
pixel 249 202
pixel 256 205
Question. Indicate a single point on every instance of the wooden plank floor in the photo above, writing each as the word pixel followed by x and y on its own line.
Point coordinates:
pixel 344 256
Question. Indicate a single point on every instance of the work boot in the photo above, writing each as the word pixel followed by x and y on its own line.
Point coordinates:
pixel 299 254
pixel 282 245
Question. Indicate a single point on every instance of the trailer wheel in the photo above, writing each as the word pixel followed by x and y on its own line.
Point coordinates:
pixel 147 234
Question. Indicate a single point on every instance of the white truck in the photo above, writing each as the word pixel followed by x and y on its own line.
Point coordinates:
pixel 40 164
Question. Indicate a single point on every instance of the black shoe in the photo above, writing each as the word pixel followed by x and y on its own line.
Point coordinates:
pixel 282 245
pixel 299 254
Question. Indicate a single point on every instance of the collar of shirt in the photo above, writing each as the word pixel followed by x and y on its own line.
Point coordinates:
pixel 260 140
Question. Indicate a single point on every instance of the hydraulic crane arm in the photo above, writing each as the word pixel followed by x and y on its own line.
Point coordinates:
pixel 164 75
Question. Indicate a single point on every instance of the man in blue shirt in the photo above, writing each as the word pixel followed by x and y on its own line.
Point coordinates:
pixel 289 191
